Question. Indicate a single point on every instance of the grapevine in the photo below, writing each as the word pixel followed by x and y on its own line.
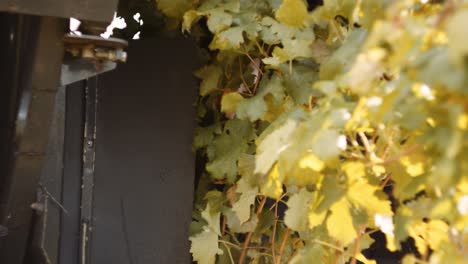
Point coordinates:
pixel 323 125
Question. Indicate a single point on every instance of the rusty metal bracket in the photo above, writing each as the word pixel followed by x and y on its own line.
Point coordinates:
pixel 87 56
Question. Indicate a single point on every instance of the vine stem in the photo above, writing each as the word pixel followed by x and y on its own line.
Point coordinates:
pixel 249 235
pixel 229 251
pixel 273 240
pixel 366 143
pixel 323 243
pixel 357 245
pixel 283 245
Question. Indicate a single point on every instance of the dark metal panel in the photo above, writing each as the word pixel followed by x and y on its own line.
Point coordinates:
pixel 87 180
pixel 72 172
pixel 37 88
pixel 94 10
pixel 46 232
pixel 144 164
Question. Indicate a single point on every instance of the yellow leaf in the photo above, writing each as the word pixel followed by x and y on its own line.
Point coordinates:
pixel 340 223
pixel 354 170
pixel 462 186
pixel 230 101
pixel 457 33
pixel 431 234
pixel 362 194
pixel 316 219
pixel 189 17
pixel 391 243
pixel 273 187
pixel 292 13
pixel 437 233
pixel 462 122
pixel 311 161
pixel 365 260
pixel 413 167
pixel 378 170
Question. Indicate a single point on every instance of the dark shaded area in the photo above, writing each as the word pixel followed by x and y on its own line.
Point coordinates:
pixel 101 10
pixel 312 4
pixel 144 172
pixel 72 171
pixel 30 76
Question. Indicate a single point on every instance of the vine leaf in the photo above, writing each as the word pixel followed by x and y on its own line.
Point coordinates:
pixel 174 8
pixel 340 223
pixel 218 20
pixel 227 148
pixel 457 32
pixel 273 186
pixel 298 209
pixel 228 39
pixel 230 101
pixel 363 195
pixel 252 109
pixel 270 147
pixel 292 13
pixel 247 198
pixel 210 76
pixel 311 253
pixel 205 247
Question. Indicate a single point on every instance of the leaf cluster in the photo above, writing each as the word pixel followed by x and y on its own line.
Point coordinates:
pixel 322 126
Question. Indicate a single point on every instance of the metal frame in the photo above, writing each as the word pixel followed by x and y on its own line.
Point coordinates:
pixel 36 78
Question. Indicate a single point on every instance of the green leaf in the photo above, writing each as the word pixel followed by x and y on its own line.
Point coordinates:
pixel 205 247
pixel 174 8
pixel 227 149
pixel 230 101
pixel 252 109
pixel 311 253
pixel 299 82
pixel 272 145
pixel 344 56
pixel 212 218
pixel 236 226
pixel 210 76
pixel 247 198
pixel 273 32
pixel 203 136
pixel 228 39
pixel 298 209
pixel 218 20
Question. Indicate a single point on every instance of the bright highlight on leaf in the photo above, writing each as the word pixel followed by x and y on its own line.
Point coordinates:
pixel 340 223
pixel 292 13
pixel 230 101
pixel 273 186
pixel 311 161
